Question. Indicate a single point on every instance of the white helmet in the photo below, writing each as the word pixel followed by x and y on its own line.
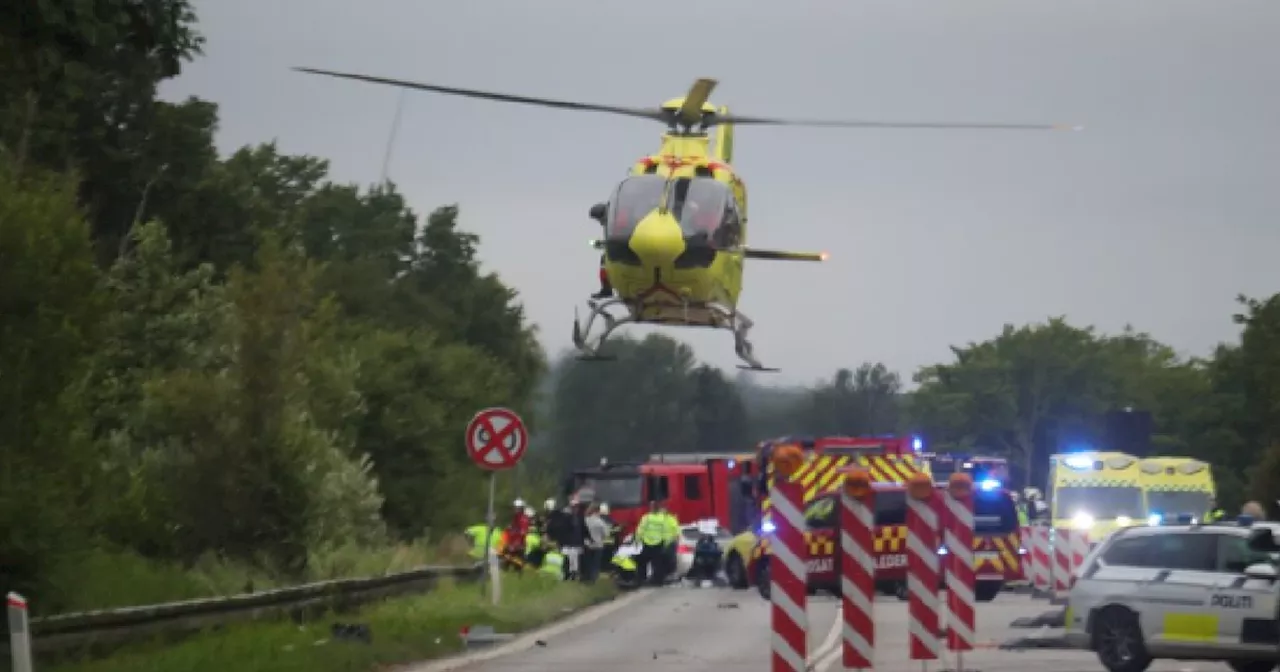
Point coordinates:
pixel 550 504
pixel 528 511
pixel 604 509
pixel 519 503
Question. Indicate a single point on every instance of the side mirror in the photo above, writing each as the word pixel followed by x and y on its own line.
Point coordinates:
pixel 1262 539
pixel 597 212
pixel 1261 570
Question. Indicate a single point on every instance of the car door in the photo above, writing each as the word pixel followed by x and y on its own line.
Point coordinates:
pixel 1247 607
pixel 1175 600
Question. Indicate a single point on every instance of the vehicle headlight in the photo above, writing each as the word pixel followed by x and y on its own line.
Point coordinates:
pixel 942 550
pixel 1155 519
pixel 1082 521
pixel 767 527
pixel 1124 521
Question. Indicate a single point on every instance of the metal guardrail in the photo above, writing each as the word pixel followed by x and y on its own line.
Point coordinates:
pixel 110 627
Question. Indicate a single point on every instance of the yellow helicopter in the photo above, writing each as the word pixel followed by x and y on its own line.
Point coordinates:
pixel 675 230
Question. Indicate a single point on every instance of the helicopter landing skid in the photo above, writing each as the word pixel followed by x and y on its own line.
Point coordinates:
pixel 741 325
pixel 588 348
pixel 721 317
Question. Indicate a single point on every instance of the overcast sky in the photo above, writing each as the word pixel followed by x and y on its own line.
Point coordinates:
pixel 1157 214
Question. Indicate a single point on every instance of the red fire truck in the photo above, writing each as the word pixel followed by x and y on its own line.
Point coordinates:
pixel 730 487
pixel 694 486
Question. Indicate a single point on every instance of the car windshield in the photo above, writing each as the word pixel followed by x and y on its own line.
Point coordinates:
pixel 1174 503
pixel 1100 503
pixel 616 491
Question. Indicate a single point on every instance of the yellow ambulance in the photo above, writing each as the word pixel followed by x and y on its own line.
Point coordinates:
pixel 1096 492
pixel 1176 486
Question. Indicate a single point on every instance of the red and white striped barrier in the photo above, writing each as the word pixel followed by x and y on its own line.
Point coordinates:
pixel 922 569
pixel 858 571
pixel 1079 549
pixel 961 577
pixel 1039 558
pixel 788 574
pixel 1069 548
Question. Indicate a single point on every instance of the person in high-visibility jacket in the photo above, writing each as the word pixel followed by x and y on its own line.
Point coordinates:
pixel 552 564
pixel 651 532
pixel 477 534
pixel 1214 514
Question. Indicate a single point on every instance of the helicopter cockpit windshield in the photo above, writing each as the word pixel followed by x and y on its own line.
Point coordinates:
pixel 701 205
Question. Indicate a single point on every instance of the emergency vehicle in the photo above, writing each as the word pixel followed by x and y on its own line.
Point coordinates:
pixel 694 486
pixel 1183 592
pixel 888 458
pixel 983 469
pixel 997 542
pixel 1175 486
pixel 1095 492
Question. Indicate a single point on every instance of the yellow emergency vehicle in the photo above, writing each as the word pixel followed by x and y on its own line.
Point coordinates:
pixel 1096 492
pixel 1176 486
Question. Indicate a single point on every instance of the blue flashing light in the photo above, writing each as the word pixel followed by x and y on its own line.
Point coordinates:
pixel 733 463
pixel 917 444
pixel 767 527
pixel 988 484
pixel 1079 461
pixel 942 550
pixel 1155 519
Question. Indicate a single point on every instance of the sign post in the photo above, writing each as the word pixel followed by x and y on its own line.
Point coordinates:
pixel 19 633
pixel 496 440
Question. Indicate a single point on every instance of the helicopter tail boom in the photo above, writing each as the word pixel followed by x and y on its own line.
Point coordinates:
pixel 781 255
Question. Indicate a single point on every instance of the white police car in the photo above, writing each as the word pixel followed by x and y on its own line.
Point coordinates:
pixel 1185 592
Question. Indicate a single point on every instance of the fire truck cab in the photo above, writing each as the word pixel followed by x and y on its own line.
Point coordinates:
pixel 694 486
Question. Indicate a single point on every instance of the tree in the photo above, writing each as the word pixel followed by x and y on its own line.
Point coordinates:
pixel 49 303
pixel 854 403
pixel 1015 391
pixel 642 403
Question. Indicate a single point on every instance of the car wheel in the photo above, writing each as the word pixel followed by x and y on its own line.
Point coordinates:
pixel 1251 665
pixel 763 584
pixel 986 591
pixel 1117 639
pixel 736 572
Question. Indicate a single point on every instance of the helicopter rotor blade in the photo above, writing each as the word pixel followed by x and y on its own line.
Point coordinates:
pixel 767 121
pixel 691 111
pixel 640 112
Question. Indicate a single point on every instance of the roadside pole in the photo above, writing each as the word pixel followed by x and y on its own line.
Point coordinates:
pixel 19 633
pixel 496 440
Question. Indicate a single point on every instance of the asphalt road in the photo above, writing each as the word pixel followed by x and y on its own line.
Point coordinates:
pixel 719 630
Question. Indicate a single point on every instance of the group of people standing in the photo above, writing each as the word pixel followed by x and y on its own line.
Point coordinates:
pixel 577 539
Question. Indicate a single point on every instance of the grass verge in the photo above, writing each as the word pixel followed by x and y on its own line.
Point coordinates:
pixel 106 579
pixel 404 630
